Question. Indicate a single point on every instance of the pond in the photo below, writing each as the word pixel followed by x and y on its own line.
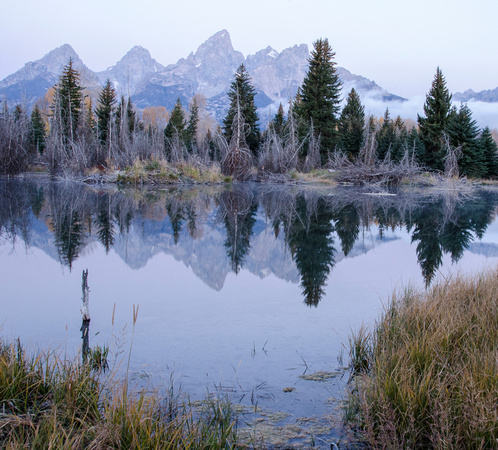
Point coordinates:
pixel 240 289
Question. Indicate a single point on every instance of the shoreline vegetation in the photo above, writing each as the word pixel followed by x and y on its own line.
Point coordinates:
pixel 426 375
pixel 50 402
pixel 157 173
pixel 316 134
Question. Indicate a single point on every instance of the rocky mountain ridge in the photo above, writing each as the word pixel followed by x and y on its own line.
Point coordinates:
pixel 487 95
pixel 275 75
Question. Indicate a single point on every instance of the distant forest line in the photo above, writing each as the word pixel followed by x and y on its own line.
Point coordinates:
pixel 71 136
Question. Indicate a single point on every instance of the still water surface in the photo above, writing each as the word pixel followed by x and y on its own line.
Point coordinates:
pixel 240 289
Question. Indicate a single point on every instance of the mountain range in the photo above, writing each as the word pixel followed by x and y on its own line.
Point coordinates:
pixel 209 71
pixel 488 96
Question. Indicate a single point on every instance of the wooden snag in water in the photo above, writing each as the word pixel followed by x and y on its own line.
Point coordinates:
pixel 85 313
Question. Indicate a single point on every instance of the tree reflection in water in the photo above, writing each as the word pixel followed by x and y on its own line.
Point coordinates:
pixel 237 210
pixel 309 237
pixel 314 224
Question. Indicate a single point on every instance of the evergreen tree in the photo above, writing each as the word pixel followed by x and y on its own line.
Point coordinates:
pixel 131 116
pixel 385 136
pixel 431 127
pixel 242 92
pixel 278 123
pixel 19 114
pixel 68 102
pixel 489 151
pixel 415 144
pixel 209 141
pixel 90 123
pixel 38 133
pixel 320 96
pixel 190 134
pixel 463 132
pixel 176 122
pixel 120 119
pixel 125 121
pixel 352 125
pixel 104 112
pixel 400 139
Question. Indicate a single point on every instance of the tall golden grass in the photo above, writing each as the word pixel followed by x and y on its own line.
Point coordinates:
pixel 427 375
pixel 48 402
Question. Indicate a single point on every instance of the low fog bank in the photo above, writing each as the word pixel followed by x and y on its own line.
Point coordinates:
pixel 484 113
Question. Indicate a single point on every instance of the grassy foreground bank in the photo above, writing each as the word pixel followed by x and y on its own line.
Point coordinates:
pixel 427 376
pixel 47 402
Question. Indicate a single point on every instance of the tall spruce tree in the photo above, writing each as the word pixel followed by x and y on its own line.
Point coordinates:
pixel 68 102
pixel 415 144
pixel 320 96
pixel 437 109
pixel 352 125
pixel 463 132
pixel 38 132
pixel 242 92
pixel 90 123
pixel 489 151
pixel 131 116
pixel 176 122
pixel 190 133
pixel 105 112
pixel 400 139
pixel 385 136
pixel 125 117
pixel 174 134
pixel 277 124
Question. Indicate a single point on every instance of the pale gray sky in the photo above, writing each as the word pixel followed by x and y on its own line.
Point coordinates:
pixel 398 44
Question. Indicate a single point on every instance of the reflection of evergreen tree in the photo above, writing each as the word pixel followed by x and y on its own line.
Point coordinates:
pixel 105 224
pixel 347 226
pixel 444 227
pixel 191 220
pixel 124 219
pixel 176 218
pixel 15 216
pixel 427 223
pixel 482 214
pixel 389 217
pixel 68 230
pixel 239 211
pixel 309 237
pixel 456 237
pixel 37 200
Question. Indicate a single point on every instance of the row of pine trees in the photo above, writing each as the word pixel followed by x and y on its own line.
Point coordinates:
pixel 308 134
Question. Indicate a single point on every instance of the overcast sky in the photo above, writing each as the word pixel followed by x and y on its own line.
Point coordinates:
pixel 396 43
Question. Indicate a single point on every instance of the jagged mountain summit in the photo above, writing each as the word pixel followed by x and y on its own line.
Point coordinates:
pixel 32 81
pixel 488 96
pixel 130 74
pixel 209 71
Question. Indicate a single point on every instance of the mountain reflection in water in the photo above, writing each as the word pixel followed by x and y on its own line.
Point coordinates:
pixel 311 228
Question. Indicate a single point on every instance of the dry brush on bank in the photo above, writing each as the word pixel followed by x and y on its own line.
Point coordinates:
pixel 49 402
pixel 427 375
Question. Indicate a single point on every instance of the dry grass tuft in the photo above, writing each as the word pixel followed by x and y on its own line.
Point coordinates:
pixel 432 378
pixel 46 402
